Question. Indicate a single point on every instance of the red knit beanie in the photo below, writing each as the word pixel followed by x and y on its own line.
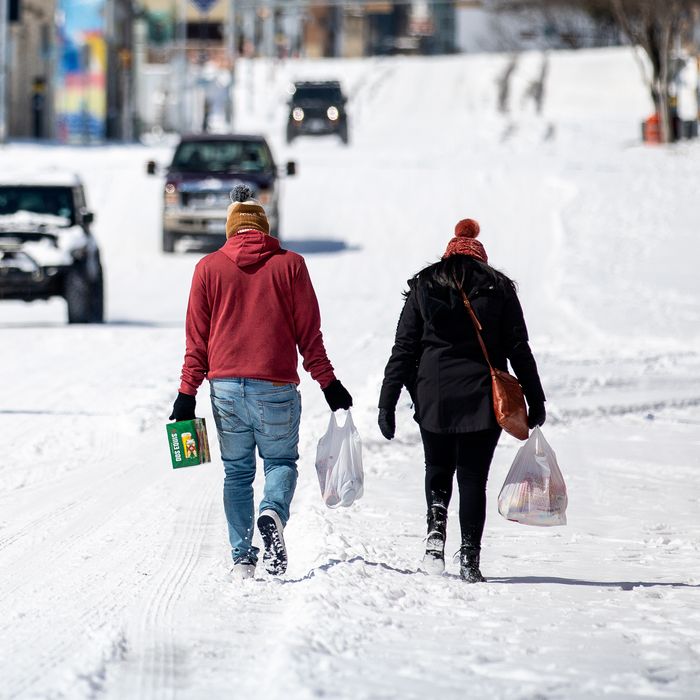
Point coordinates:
pixel 465 243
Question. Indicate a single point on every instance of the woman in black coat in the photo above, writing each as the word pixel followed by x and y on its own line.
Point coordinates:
pixel 437 357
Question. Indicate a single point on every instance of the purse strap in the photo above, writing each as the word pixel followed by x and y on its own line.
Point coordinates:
pixel 477 324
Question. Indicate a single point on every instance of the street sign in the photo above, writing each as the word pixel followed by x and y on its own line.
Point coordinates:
pixel 204 5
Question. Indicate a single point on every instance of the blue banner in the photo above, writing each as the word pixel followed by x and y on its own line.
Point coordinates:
pixel 204 5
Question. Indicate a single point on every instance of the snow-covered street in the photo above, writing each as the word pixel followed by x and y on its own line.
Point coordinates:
pixel 114 569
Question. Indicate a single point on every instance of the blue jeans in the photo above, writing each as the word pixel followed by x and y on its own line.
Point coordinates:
pixel 250 413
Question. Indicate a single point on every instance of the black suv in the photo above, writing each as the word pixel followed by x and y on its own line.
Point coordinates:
pixel 317 108
pixel 46 247
pixel 203 171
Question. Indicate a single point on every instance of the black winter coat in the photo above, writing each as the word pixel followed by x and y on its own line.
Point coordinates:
pixel 437 356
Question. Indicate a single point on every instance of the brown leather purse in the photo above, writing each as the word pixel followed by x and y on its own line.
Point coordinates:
pixel 508 399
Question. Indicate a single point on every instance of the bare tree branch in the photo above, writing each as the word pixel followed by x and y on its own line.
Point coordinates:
pixel 652 25
pixel 637 38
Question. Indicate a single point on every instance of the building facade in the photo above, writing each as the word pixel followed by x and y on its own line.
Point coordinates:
pixel 85 71
pixel 29 95
pixel 69 70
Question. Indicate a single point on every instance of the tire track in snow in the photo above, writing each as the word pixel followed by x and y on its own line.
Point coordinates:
pixel 29 671
pixel 564 416
pixel 152 649
pixel 75 488
pixel 66 622
pixel 44 580
pixel 82 650
pixel 37 522
pixel 97 508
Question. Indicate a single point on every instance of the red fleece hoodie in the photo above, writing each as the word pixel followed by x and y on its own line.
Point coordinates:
pixel 251 306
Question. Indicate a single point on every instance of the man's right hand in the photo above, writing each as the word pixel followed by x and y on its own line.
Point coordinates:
pixel 337 396
pixel 183 408
pixel 387 422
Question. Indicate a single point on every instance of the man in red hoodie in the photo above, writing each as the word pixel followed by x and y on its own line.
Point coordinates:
pixel 251 306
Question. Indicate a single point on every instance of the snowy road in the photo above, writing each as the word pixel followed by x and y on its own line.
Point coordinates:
pixel 114 570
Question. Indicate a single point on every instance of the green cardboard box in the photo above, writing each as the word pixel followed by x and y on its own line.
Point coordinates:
pixel 188 443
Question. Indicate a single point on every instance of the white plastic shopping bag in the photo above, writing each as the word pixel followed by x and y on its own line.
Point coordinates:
pixel 534 492
pixel 339 463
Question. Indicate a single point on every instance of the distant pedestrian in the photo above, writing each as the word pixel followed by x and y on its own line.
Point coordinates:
pixel 437 357
pixel 251 306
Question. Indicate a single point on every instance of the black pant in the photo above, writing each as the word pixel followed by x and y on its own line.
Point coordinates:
pixel 470 455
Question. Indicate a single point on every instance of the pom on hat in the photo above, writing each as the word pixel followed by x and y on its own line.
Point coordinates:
pixel 245 212
pixel 465 243
pixel 467 228
pixel 241 193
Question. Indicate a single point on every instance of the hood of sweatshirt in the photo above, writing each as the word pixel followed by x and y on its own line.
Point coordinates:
pixel 250 248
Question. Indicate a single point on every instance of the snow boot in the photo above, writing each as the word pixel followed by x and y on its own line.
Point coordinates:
pixel 275 557
pixel 434 557
pixel 243 567
pixel 469 563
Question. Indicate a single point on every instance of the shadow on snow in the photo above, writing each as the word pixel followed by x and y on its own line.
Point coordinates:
pixel 323 568
pixel 303 246
pixel 313 246
pixel 622 585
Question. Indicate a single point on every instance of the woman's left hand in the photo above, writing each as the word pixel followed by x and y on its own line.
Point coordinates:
pixel 387 422
pixel 536 415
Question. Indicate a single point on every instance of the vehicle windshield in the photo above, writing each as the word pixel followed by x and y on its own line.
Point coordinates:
pixel 52 201
pixel 222 157
pixel 320 93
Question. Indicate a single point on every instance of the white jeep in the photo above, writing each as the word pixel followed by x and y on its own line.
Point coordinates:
pixel 46 247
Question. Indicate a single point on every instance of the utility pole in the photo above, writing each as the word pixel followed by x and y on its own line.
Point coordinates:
pixel 140 42
pixel 269 29
pixel 181 63
pixel 4 26
pixel 231 51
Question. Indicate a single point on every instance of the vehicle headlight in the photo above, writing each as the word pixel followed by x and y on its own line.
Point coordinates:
pixel 298 114
pixel 265 197
pixel 172 199
pixel 332 113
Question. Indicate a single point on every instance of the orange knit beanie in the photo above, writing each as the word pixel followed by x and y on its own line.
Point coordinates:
pixel 245 212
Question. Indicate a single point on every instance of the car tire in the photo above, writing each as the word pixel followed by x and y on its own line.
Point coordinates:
pixel 290 135
pixel 97 299
pixel 343 133
pixel 78 295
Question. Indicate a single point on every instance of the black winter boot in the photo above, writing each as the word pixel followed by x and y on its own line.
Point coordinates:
pixel 434 558
pixel 469 555
pixel 469 563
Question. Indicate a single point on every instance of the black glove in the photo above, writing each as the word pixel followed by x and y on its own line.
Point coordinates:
pixel 536 415
pixel 337 396
pixel 387 422
pixel 183 408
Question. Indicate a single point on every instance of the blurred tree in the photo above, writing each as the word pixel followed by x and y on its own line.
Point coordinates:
pixel 567 23
pixel 656 26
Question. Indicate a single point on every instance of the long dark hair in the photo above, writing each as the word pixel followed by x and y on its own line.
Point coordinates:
pixel 463 269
